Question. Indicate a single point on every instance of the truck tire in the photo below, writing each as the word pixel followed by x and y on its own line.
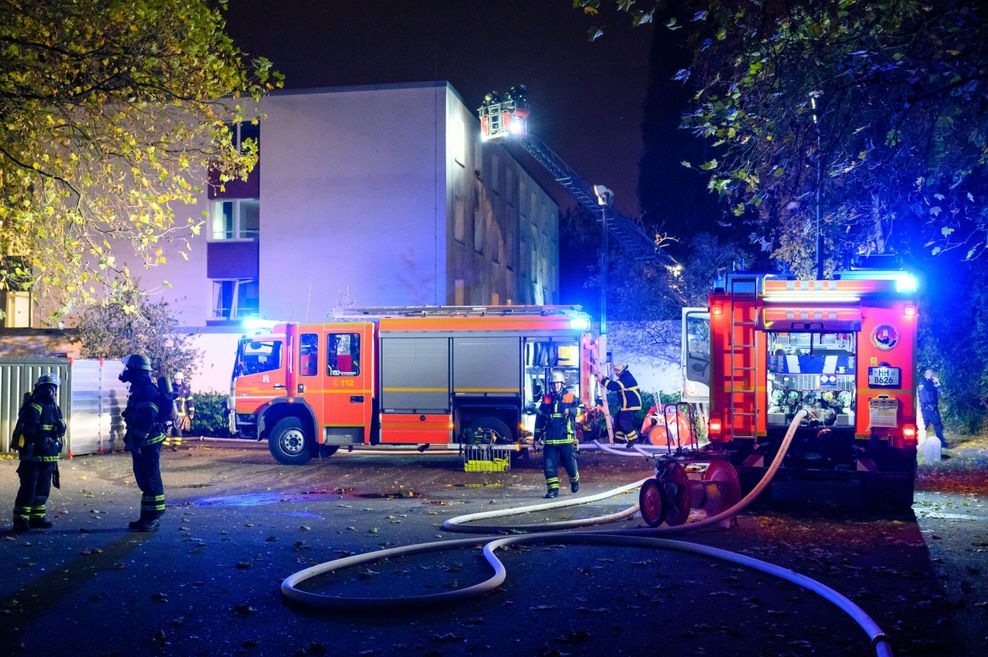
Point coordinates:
pixel 492 425
pixel 887 494
pixel 288 443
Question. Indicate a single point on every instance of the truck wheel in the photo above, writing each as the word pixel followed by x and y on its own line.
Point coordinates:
pixel 325 451
pixel 492 427
pixel 288 442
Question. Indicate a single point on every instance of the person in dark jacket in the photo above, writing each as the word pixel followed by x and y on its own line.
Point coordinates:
pixel 929 401
pixel 38 438
pixel 144 435
pixel 631 401
pixel 185 409
pixel 557 430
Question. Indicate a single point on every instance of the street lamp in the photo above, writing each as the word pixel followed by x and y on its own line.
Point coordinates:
pixel 605 198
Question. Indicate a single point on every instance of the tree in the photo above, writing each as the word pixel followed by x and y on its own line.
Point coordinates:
pixel 873 112
pixel 112 112
pixel 131 323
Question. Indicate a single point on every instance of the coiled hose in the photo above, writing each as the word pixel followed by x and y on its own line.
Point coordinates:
pixel 556 533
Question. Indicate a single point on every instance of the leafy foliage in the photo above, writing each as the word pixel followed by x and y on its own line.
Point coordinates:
pixel 953 337
pixel 111 115
pixel 132 323
pixel 211 415
pixel 886 101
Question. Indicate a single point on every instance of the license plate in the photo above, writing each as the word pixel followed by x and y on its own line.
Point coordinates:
pixel 884 377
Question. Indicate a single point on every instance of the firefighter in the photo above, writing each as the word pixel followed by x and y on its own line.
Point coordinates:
pixel 631 401
pixel 929 401
pixel 557 428
pixel 184 411
pixel 38 438
pixel 145 433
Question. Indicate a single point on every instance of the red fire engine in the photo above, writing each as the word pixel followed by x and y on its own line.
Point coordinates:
pixel 439 376
pixel 843 349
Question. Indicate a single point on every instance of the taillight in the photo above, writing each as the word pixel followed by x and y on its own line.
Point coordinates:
pixel 713 428
pixel 909 434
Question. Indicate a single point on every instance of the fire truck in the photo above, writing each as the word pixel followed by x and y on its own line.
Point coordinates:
pixel 410 376
pixel 842 349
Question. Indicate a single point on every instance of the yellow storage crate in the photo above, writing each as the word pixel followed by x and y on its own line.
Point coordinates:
pixel 487 458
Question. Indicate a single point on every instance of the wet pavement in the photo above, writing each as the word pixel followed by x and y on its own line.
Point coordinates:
pixel 238 523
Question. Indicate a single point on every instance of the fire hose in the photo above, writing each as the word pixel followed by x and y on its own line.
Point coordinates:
pixel 557 533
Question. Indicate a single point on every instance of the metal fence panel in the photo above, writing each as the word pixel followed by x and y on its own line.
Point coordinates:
pixel 17 377
pixel 91 396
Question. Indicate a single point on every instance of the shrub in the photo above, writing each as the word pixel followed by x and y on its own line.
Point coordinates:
pixel 210 418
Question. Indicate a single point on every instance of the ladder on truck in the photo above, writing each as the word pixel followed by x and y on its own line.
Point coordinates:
pixel 743 357
pixel 456 311
pixel 507 119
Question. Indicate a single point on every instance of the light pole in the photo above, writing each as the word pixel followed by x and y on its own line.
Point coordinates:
pixel 819 181
pixel 605 198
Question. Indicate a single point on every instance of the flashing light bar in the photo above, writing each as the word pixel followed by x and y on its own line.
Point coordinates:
pixel 810 296
pixel 580 324
pixel 256 323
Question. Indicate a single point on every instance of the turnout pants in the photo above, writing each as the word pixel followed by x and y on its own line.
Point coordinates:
pixel 174 435
pixel 35 488
pixel 147 472
pixel 624 426
pixel 552 455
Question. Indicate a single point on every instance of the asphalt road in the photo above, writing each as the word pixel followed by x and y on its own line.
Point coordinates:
pixel 238 523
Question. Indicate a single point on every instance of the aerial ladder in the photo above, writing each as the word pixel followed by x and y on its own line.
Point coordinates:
pixel 506 118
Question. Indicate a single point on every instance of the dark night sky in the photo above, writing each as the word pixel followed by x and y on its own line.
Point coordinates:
pixel 586 97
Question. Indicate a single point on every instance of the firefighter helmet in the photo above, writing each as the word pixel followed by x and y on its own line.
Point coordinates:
pixel 138 362
pixel 619 367
pixel 558 377
pixel 50 379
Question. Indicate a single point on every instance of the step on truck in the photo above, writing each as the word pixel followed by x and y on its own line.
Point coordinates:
pixel 411 376
pixel 842 349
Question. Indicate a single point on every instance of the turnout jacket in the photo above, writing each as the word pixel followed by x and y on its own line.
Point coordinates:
pixel 142 414
pixel 183 400
pixel 558 427
pixel 627 388
pixel 39 431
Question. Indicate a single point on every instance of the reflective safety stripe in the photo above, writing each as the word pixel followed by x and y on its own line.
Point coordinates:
pixel 37 407
pixel 562 441
pixel 38 511
pixel 152 441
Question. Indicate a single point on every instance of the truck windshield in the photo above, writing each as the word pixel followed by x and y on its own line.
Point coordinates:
pixel 814 371
pixel 255 356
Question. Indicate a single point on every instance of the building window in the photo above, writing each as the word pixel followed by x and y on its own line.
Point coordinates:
pixel 245 130
pixel 235 219
pixel 495 236
pixel 17 309
pixel 343 354
pixel 459 220
pixel 308 351
pixel 478 230
pixel 235 298
pixel 458 293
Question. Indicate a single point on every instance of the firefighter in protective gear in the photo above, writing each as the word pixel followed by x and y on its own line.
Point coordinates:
pixel 38 439
pixel 145 433
pixel 929 401
pixel 631 401
pixel 557 417
pixel 184 411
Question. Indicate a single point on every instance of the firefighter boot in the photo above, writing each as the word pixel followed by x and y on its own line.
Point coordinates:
pixel 574 486
pixel 21 524
pixel 39 523
pixel 551 494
